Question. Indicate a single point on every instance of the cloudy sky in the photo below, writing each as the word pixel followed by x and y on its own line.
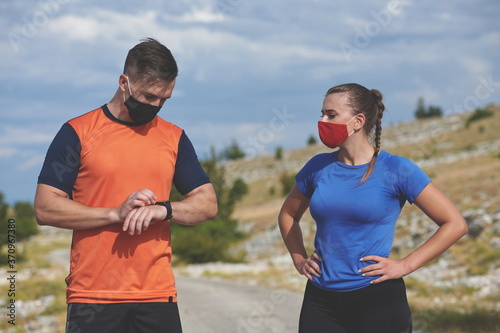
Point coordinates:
pixel 253 71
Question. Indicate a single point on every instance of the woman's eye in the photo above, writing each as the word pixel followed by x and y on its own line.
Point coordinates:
pixel 330 116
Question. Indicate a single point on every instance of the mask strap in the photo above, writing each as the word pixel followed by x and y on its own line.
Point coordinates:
pixel 349 122
pixel 130 91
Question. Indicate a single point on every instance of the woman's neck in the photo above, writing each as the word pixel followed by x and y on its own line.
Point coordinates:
pixel 356 154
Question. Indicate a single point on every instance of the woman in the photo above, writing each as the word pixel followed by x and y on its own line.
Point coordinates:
pixel 355 195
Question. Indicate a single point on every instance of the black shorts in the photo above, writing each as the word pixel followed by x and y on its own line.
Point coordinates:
pixel 123 318
pixel 380 308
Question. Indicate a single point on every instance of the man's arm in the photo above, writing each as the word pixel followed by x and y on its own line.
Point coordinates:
pixel 199 205
pixel 54 208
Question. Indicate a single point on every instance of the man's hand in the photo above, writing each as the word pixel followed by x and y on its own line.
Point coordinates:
pixel 139 198
pixel 141 218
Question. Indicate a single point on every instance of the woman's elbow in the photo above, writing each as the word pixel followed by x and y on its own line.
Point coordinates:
pixel 463 228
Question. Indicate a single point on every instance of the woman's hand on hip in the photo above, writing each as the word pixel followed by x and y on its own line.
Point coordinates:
pixel 309 266
pixel 386 268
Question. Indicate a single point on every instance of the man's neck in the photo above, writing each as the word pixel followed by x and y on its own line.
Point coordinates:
pixel 117 108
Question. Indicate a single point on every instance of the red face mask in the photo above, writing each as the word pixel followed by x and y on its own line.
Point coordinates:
pixel 331 134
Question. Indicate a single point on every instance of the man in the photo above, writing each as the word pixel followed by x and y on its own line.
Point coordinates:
pixel 107 176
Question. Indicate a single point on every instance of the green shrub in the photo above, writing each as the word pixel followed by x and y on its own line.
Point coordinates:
pixel 206 242
pixel 211 240
pixel 445 320
pixel 279 153
pixel 287 182
pixel 477 115
pixel 311 141
pixel 422 112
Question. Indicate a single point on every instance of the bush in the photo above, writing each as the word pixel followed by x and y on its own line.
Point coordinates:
pixel 287 182
pixel 477 115
pixel 233 152
pixel 26 225
pixel 207 242
pixel 445 320
pixel 422 112
pixel 311 141
pixel 279 153
pixel 211 240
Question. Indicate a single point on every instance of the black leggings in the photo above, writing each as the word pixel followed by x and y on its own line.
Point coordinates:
pixel 380 308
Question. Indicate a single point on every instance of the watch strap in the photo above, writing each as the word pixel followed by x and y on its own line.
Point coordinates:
pixel 168 206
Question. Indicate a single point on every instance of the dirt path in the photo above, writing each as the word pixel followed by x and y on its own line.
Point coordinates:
pixel 208 306
pixel 223 306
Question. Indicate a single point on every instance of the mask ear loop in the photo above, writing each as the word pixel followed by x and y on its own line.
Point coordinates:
pixel 130 91
pixel 349 122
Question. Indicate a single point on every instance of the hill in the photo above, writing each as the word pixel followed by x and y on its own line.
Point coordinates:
pixel 462 158
pixel 458 292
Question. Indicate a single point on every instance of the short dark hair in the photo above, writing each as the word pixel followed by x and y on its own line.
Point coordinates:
pixel 151 62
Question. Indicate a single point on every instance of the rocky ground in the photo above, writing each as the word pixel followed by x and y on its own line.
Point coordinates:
pixel 466 277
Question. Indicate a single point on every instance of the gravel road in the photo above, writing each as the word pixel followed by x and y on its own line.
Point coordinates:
pixel 208 305
pixel 223 306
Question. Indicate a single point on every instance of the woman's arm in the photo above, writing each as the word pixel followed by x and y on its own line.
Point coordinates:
pixel 452 227
pixel 291 212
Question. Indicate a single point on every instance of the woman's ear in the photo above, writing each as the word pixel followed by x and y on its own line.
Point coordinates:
pixel 359 121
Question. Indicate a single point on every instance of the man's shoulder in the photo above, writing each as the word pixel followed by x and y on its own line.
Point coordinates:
pixel 168 126
pixel 166 123
pixel 84 118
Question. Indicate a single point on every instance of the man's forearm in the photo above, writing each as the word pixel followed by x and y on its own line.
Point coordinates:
pixel 68 214
pixel 52 207
pixel 198 206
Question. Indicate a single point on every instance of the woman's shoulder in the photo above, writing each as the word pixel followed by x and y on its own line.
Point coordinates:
pixel 392 159
pixel 396 162
pixel 323 158
pixel 318 162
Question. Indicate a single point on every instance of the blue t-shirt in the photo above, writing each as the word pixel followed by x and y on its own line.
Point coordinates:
pixel 356 220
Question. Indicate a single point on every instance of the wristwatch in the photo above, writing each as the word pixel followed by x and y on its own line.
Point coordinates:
pixel 168 206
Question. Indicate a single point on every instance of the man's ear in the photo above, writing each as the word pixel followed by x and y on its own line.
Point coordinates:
pixel 123 82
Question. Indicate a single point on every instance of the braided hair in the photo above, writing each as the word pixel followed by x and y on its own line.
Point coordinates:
pixel 369 103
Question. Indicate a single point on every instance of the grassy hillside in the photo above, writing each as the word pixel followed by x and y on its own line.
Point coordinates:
pixel 459 292
pixel 460 287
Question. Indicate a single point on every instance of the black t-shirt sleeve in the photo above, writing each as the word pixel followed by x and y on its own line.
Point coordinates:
pixel 62 161
pixel 188 172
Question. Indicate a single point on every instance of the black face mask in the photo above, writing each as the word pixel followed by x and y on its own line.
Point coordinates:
pixel 141 113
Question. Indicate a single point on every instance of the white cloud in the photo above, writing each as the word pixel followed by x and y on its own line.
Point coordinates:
pixel 474 65
pixel 100 24
pixel 198 15
pixel 236 66
pixel 21 136
pixel 7 152
pixel 32 161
